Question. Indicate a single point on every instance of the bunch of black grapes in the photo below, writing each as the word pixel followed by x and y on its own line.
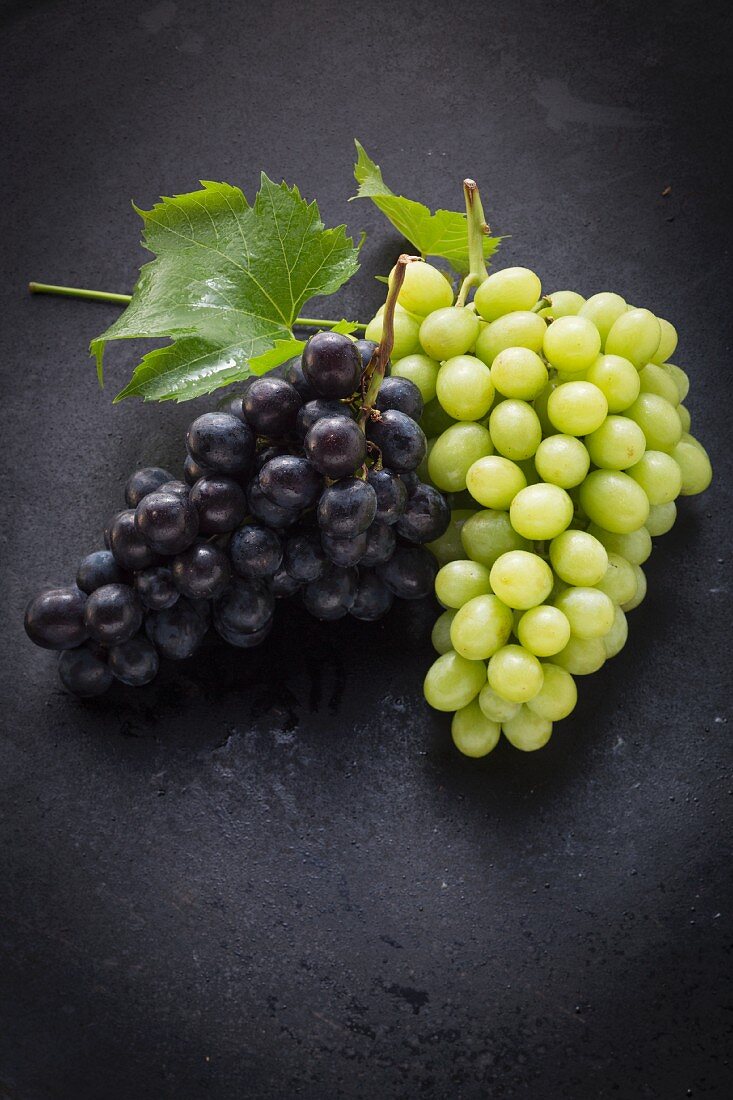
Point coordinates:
pixel 290 490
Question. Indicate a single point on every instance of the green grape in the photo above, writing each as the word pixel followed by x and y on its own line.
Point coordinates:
pixel 578 558
pixel 680 379
pixel 514 330
pixel 473 733
pixel 424 289
pixel 615 640
pixel 515 673
pixel 619 580
pixel 571 344
pixel 640 590
pixel 588 610
pixel 558 695
pixel 659 476
pixel 617 444
pixel 564 303
pixel 562 460
pixel 527 731
pixel 515 429
pixel 541 511
pixel 519 372
pixel 464 387
pixel 489 534
pixel 695 469
pixel 440 636
pixel 687 438
pixel 521 579
pixel 448 547
pixel 614 501
pixel 455 452
pixel 540 407
pixel 457 582
pixel 452 681
pixel 635 335
pixel 577 408
pixel 421 370
pixel 658 420
pixel 514 288
pixel 494 481
pixel 448 332
pixel 480 627
pixel 661 519
pixel 604 310
pixel 654 379
pixel 635 546
pixel 434 420
pixel 406 333
pixel 582 656
pixel 667 343
pixel 543 630
pixel 617 379
pixel 494 706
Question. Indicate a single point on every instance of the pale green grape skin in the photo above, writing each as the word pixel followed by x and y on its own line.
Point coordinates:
pixel 619 580
pixel 558 695
pixel 494 481
pixel 578 558
pixel 654 379
pixel 424 289
pixel 582 656
pixel 488 534
pixel 527 731
pixel 452 681
pixel 519 372
pixel 659 475
pixel 658 420
pixel 465 388
pixel 543 630
pixel 604 310
pixel 435 420
pixel 521 579
pixel 480 627
pixel 635 547
pixel 680 379
pixel 495 707
pixel 449 546
pixel 588 610
pixel 636 336
pixel 617 379
pixel 667 342
pixel 571 344
pixel 541 511
pixel 514 330
pixel 440 636
pixel 614 501
pixel 455 452
pixel 695 469
pixel 640 590
pixel 457 582
pixel 473 733
pixel 406 333
pixel 617 444
pixel 687 438
pixel 577 408
pixel 515 673
pixel 540 407
pixel 515 429
pixel 564 303
pixel 562 460
pixel 421 370
pixel 661 519
pixel 448 332
pixel 615 640
pixel 506 291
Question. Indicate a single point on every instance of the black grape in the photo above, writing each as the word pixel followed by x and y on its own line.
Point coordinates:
pixel 346 508
pixel 112 614
pixel 84 673
pixel 256 551
pixel 373 599
pixel 380 544
pixel 193 470
pixel 178 488
pixel 332 364
pixel 283 585
pixel 265 510
pixel 243 639
pixel 54 619
pixel 401 441
pixel 315 410
pixel 273 450
pixel 220 502
pixel 202 571
pixel 391 494
pixel 143 482
pixel 345 551
pixel 295 376
pixel 167 522
pixel 332 595
pixel 366 349
pixel 134 662
pixel 130 550
pixel 156 588
pixel 402 394
pixel 426 515
pixel 410 572
pixel 336 446
pixel 97 569
pixel 232 404
pixel 291 482
pixel 176 632
pixel 271 407
pixel 304 557
pixel 246 606
pixel 221 442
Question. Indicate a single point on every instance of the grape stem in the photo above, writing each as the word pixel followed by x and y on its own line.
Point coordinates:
pixel 125 299
pixel 478 228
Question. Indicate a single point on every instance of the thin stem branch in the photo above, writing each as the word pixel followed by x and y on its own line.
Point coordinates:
pixel 478 228
pixel 374 374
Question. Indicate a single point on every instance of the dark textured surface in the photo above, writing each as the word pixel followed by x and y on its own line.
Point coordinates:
pixel 269 875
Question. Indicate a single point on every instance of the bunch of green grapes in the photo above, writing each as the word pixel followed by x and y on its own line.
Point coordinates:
pixel 557 429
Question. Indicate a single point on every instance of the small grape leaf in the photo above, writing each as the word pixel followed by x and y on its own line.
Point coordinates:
pixel 443 233
pixel 227 282
pixel 288 349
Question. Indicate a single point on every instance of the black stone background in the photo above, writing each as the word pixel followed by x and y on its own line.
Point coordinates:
pixel 270 875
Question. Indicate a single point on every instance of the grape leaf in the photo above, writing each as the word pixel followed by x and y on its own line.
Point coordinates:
pixel 443 233
pixel 283 350
pixel 227 283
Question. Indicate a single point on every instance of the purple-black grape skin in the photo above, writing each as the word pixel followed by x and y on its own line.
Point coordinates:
pixel 112 614
pixel 273 450
pixel 202 571
pixel 304 557
pixel 409 573
pixel 246 606
pixel 293 374
pixel 130 550
pixel 176 632
pixel 291 482
pixel 83 672
pixel 345 552
pixel 256 551
pixel 332 364
pixel 193 471
pixel 179 488
pixel 336 446
pixel 271 407
pixel 283 585
pixel 167 521
pixel 54 618
pixel 316 410
pixel 373 599
pixel 401 394
pixel 221 442
pixel 243 639
pixel 144 481
pixel 266 511
pixel 232 404
pixel 134 662
pixel 391 494
pixel 380 544
pixel 98 568
pixel 346 508
pixel 366 349
pixel 332 595
pixel 156 588
pixel 426 516
pixel 401 441
pixel 221 504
